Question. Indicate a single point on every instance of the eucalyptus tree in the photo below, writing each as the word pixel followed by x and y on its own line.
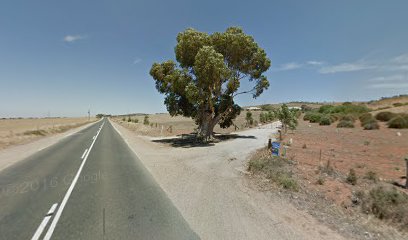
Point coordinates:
pixel 207 77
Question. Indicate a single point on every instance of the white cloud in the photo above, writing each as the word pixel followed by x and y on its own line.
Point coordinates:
pixel 315 63
pixel 345 67
pixel 396 81
pixel 137 60
pixel 396 77
pixel 73 38
pixel 401 85
pixel 289 66
pixel 402 59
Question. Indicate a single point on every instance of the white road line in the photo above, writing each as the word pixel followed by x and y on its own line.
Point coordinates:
pixel 44 222
pixel 83 155
pixel 68 194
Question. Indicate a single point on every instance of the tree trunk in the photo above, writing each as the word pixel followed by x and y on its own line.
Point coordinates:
pixel 206 128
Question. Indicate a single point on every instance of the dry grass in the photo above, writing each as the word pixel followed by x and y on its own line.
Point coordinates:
pixel 19 131
pixel 162 124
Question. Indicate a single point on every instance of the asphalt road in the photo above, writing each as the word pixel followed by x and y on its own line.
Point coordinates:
pixel 66 192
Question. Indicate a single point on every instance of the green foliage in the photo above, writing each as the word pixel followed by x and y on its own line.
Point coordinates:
pixel 100 115
pixel 400 121
pixel 313 117
pixel 270 116
pixel 146 120
pixel 35 132
pixel 325 120
pixel 365 117
pixel 208 75
pixel 385 116
pixel 345 124
pixel 348 117
pixel 124 119
pixel 249 119
pixel 129 119
pixel 344 109
pixel 287 117
pixel 135 120
pixel 352 177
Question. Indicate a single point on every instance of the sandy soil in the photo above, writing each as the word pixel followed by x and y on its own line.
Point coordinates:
pixel 21 131
pixel 208 186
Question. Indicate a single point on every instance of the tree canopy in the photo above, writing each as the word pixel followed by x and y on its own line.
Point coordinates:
pixel 208 75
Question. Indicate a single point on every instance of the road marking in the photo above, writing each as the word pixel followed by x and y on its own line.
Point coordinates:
pixel 83 155
pixel 44 222
pixel 68 194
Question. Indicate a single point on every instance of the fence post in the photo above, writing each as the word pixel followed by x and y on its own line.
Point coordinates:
pixel 406 167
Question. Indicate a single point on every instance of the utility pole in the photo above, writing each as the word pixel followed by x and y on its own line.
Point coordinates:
pixel 89 114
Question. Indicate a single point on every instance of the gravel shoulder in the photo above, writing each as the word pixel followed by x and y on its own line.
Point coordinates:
pixel 208 186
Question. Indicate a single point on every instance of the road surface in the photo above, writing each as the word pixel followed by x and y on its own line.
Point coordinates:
pixel 89 185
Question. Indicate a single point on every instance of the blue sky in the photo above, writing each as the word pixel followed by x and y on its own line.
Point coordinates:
pixel 63 57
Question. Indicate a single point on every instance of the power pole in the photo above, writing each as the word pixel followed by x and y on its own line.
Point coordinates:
pixel 89 114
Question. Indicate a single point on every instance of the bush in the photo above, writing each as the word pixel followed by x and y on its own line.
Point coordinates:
pixel 345 124
pixel 146 120
pixel 371 125
pixel 385 116
pixel 398 104
pixel 276 169
pixel 370 175
pixel 312 117
pixel 400 121
pixel 349 118
pixel 386 203
pixel 365 117
pixel 352 177
pixel 325 120
pixel 321 180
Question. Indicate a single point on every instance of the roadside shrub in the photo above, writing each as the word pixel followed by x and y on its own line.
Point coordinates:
pixel 345 124
pixel 325 120
pixel 400 121
pixel 312 117
pixel 276 169
pixel 385 116
pixel 349 118
pixel 386 203
pixel 370 175
pixel 352 177
pixel 288 182
pixel 321 180
pixel 398 104
pixel 146 120
pixel 365 117
pixel 371 125
pixel 35 132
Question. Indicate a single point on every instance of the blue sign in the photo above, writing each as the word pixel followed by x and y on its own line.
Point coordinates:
pixel 275 148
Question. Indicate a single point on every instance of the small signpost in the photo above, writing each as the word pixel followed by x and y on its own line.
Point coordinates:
pixel 275 148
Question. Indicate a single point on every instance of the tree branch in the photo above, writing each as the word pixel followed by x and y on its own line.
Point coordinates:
pixel 253 89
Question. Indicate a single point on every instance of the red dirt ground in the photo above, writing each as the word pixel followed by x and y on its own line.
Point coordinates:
pixel 381 151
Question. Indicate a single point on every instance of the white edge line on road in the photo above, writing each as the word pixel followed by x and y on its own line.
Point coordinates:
pixel 44 222
pixel 83 155
pixel 68 194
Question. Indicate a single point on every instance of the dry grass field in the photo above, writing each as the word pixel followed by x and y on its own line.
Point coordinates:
pixel 20 131
pixel 162 124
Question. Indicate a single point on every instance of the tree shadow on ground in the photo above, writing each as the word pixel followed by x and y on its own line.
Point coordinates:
pixel 190 140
